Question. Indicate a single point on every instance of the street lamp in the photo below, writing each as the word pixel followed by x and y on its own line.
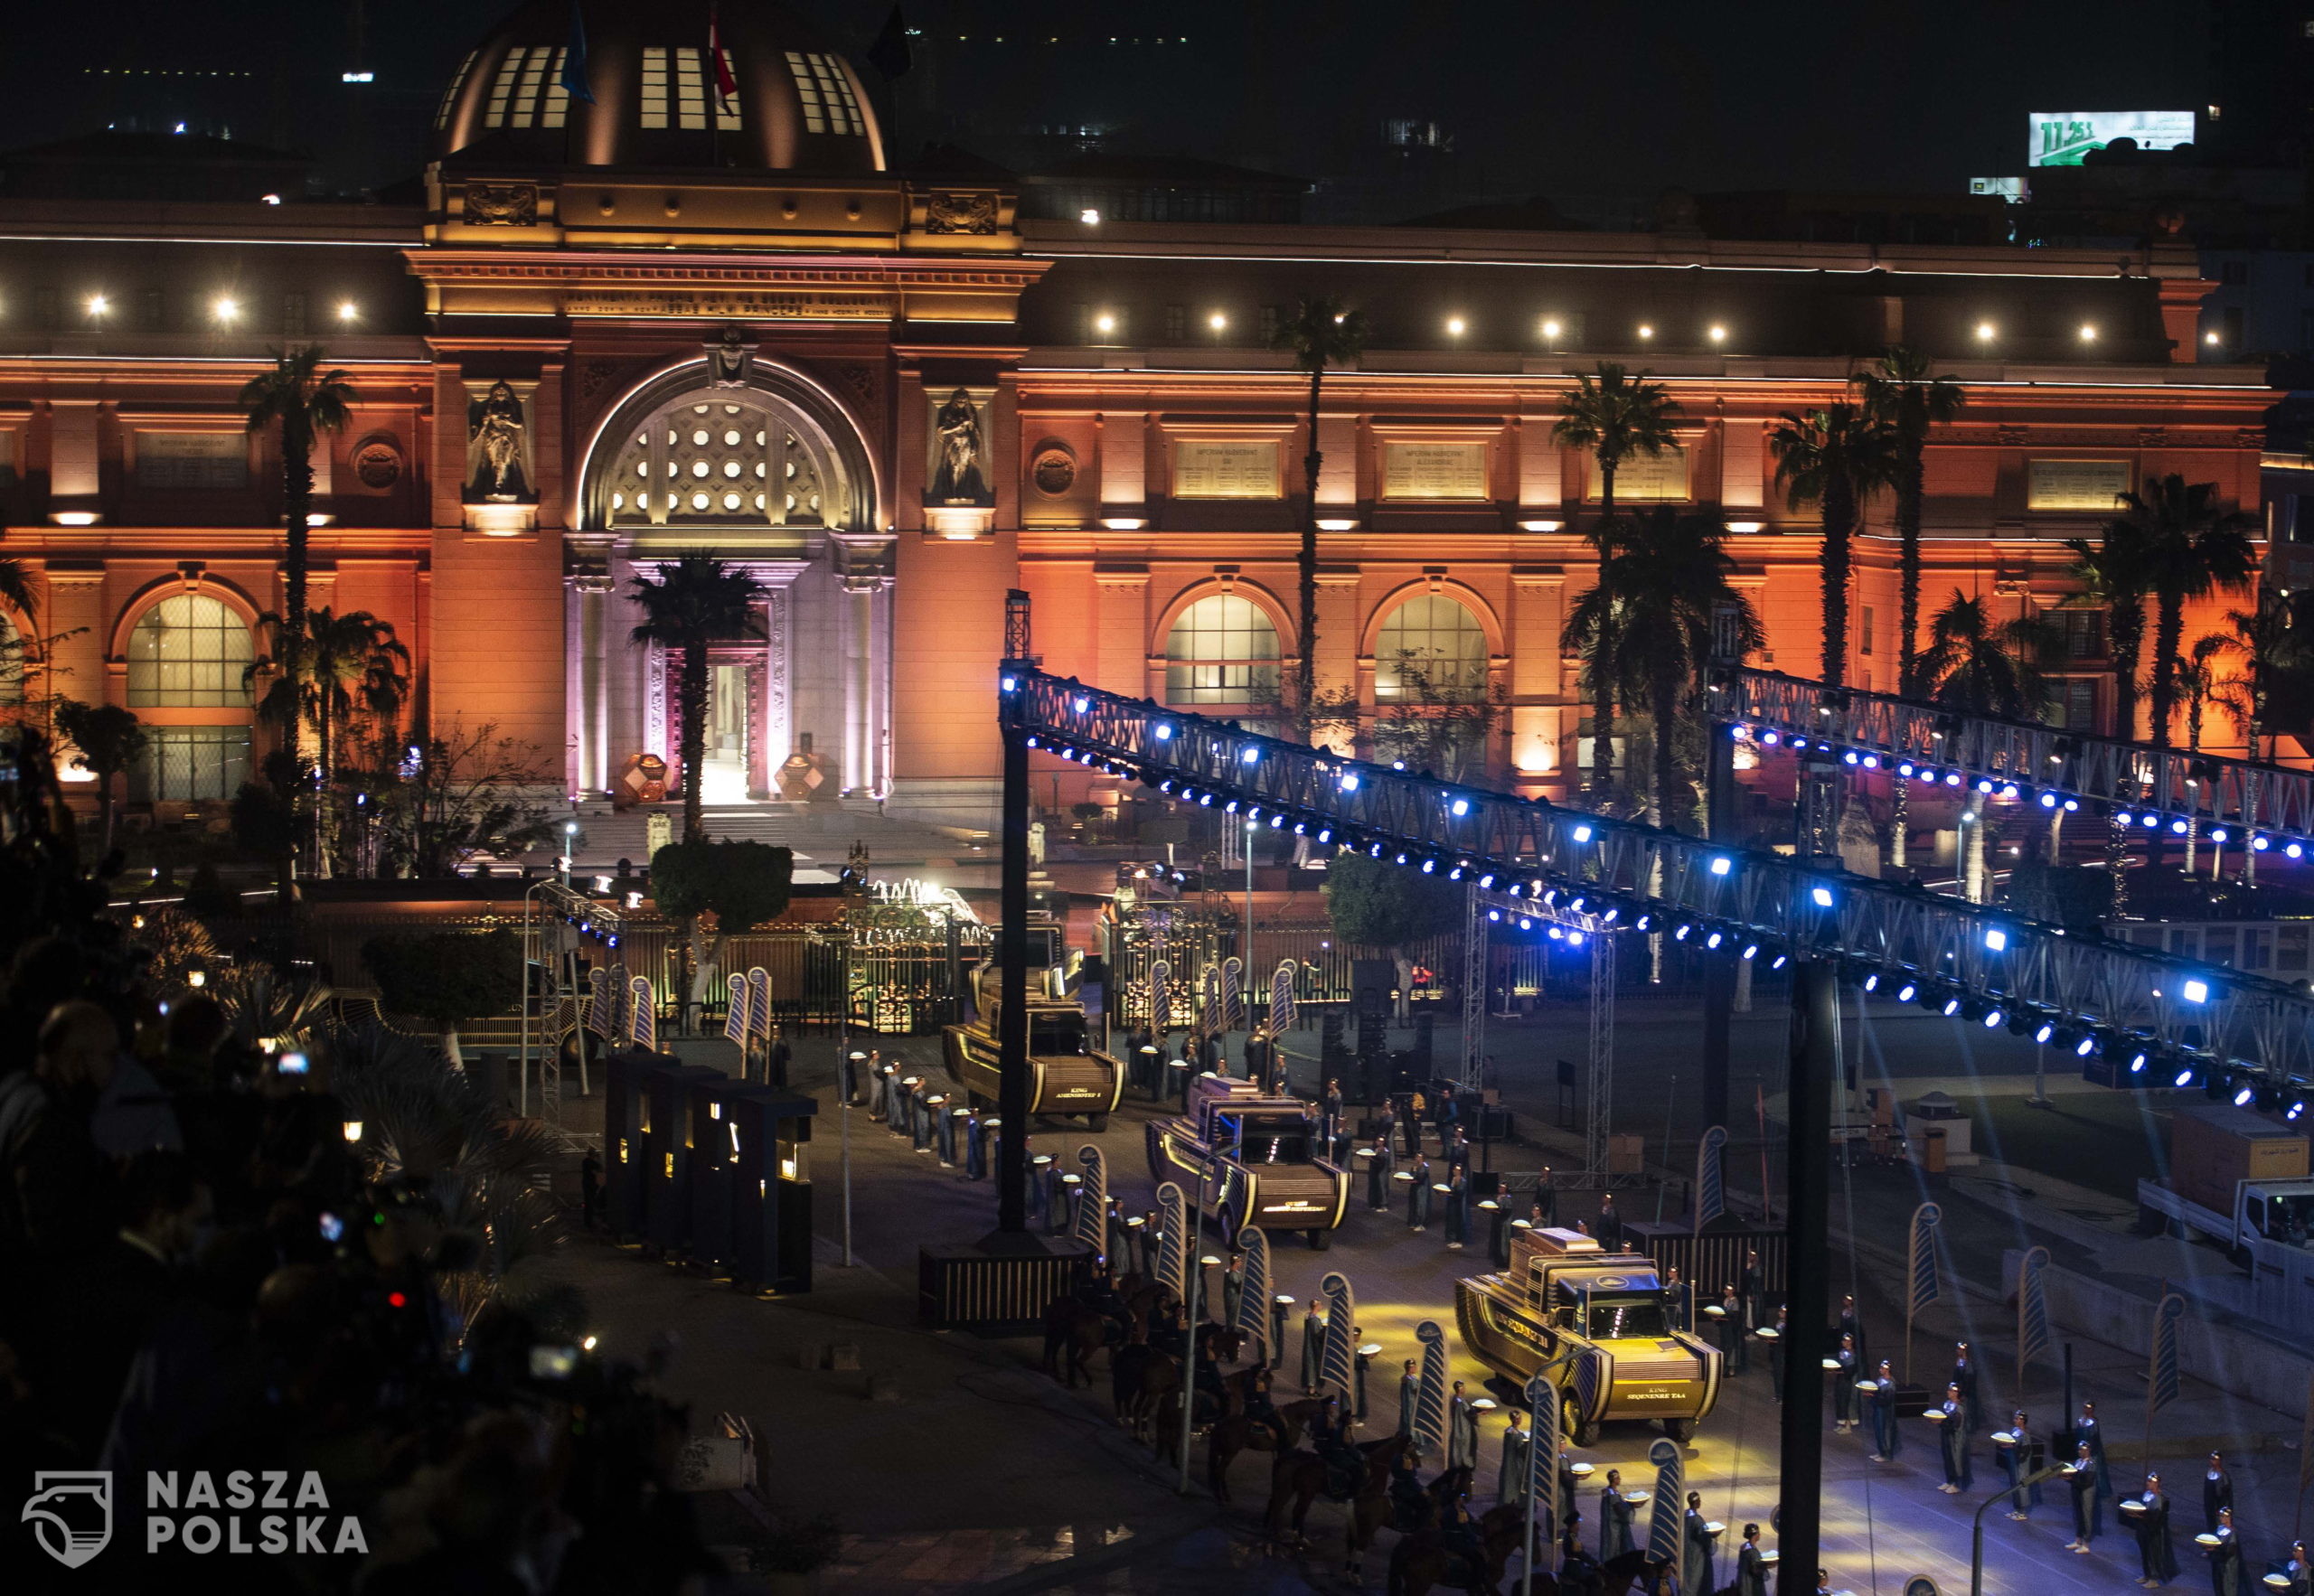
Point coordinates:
pixel 1977 1524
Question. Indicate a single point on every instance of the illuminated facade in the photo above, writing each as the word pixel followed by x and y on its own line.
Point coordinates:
pixel 670 320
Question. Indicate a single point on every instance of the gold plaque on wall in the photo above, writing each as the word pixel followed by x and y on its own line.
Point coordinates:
pixel 2090 485
pixel 1649 479
pixel 1222 468
pixel 1434 470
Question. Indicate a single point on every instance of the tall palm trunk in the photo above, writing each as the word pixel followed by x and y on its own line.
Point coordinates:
pixel 1602 686
pixel 2125 626
pixel 297 508
pixel 1305 670
pixel 693 693
pixel 323 787
pixel 2168 632
pixel 1912 442
pixel 1666 708
pixel 1839 560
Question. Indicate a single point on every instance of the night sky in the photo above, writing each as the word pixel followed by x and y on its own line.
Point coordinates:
pixel 1542 98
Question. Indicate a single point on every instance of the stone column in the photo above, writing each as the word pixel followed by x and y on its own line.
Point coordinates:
pixel 879 703
pixel 590 596
pixel 859 621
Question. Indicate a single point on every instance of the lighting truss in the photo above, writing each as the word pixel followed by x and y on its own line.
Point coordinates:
pixel 2120 997
pixel 2265 806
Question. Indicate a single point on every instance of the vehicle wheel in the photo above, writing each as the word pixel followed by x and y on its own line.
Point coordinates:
pixel 1320 1240
pixel 1097 1123
pixel 1679 1429
pixel 1576 1429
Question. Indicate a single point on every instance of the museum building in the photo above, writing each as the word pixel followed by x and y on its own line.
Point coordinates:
pixel 710 310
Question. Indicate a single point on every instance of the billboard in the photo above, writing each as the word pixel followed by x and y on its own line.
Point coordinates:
pixel 2015 189
pixel 2060 138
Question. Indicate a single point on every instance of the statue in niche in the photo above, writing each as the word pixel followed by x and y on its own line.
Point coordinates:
pixel 494 432
pixel 727 361
pixel 957 477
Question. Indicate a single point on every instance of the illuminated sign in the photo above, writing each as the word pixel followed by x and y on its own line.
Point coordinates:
pixel 2060 138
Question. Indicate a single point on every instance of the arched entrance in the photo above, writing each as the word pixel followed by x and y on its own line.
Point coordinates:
pixel 759 466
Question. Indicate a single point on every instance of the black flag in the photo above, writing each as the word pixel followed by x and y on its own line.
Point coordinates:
pixel 890 54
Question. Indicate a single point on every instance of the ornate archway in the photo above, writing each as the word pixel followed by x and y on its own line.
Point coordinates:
pixel 758 465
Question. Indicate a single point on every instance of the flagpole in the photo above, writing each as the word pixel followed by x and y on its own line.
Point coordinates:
pixel 2153 1371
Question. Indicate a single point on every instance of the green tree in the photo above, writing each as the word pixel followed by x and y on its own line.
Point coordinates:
pixel 1372 902
pixel 696 601
pixel 16 588
pixel 1668 579
pixel 2193 546
pixel 1980 666
pixel 1322 332
pixel 743 885
pixel 110 740
pixel 449 977
pixel 1615 416
pixel 2274 641
pixel 1835 458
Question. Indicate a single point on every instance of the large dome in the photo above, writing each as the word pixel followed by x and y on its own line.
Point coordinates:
pixel 798 106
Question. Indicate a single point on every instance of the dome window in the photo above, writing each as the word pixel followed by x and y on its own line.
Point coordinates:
pixel 825 94
pixel 674 85
pixel 528 91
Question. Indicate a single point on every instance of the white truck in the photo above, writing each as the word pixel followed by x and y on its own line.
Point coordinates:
pixel 2280 1212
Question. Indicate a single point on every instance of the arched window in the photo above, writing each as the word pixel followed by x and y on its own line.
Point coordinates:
pixel 1222 650
pixel 721 462
pixel 1431 651
pixel 189 652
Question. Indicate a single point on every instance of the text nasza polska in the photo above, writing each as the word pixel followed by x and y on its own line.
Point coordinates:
pixel 284 1524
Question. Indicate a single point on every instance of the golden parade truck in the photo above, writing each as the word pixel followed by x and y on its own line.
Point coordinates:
pixel 1261 1160
pixel 1067 1074
pixel 1562 1294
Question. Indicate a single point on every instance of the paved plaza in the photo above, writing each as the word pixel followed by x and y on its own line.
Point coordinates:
pixel 986 1474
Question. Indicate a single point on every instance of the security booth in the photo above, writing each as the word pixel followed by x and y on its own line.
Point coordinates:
pixel 666 1151
pixel 771 1200
pixel 625 1121
pixel 715 1138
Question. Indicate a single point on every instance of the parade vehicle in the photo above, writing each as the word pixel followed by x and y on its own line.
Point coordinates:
pixel 1067 1073
pixel 1564 1294
pixel 1261 1158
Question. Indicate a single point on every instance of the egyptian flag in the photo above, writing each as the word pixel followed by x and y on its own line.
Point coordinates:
pixel 891 54
pixel 727 87
pixel 574 58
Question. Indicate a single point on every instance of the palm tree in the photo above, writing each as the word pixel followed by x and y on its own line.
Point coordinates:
pixel 1835 458
pixel 2273 642
pixel 16 588
pixel 1322 331
pixel 337 666
pixel 2113 569
pixel 1980 666
pixel 1615 416
pixel 1905 395
pixel 1668 579
pixel 302 401
pixel 2192 547
pixel 2198 681
pixel 696 601
pixel 109 740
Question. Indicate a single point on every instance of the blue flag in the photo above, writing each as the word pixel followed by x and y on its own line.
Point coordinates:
pixel 574 60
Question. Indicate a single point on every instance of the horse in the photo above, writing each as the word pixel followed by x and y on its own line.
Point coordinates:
pixel 1299 1477
pixel 1074 1330
pixel 1374 1511
pixel 1430 1556
pixel 1234 1431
